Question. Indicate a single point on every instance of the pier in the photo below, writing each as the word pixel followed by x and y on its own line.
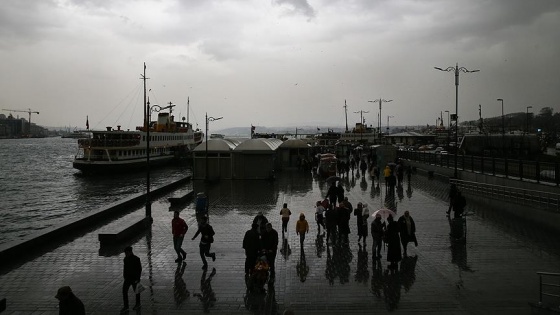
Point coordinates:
pixel 495 272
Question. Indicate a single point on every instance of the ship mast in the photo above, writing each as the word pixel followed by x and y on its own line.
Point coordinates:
pixel 346 114
pixel 146 109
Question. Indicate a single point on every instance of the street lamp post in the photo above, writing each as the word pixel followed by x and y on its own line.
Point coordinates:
pixel 150 109
pixel 208 119
pixel 503 120
pixel 448 127
pixel 380 100
pixel 456 70
pixel 527 123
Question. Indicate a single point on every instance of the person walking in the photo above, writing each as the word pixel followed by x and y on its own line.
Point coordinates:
pixel 206 239
pixel 131 273
pixel 178 228
pixel 407 230
pixel 302 227
pixel 270 247
pixel 452 195
pixel 331 221
pixel 359 220
pixel 363 167
pixel 319 217
pixel 285 213
pixel 393 243
pixel 387 175
pixel 364 227
pixel 340 192
pixel 332 193
pixel 377 232
pixel 68 303
pixel 261 221
pixel 459 205
pixel 252 247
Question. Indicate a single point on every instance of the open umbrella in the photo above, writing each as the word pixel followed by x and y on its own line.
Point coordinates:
pixel 384 213
pixel 333 179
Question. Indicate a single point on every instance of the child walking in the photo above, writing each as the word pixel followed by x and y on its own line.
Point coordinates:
pixel 302 227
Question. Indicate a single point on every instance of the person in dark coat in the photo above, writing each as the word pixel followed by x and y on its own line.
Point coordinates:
pixel 340 192
pixel 331 222
pixel 359 221
pixel 407 230
pixel 452 194
pixel 377 232
pixel 261 221
pixel 131 273
pixel 68 303
pixel 363 167
pixel 332 193
pixel 343 221
pixel 206 239
pixel 459 204
pixel 270 247
pixel 252 247
pixel 393 243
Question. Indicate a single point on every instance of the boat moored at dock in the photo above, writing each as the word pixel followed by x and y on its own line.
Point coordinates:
pixel 117 150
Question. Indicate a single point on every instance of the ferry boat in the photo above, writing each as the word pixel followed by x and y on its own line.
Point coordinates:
pixel 360 134
pixel 117 150
pixel 113 151
pixel 76 134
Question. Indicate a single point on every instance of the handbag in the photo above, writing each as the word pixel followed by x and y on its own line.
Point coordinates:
pixel 139 288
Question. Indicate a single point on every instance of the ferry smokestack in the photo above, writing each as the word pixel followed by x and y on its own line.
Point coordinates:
pixel 108 128
pixel 119 128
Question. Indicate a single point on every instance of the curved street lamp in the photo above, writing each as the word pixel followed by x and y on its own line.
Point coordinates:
pixel 208 119
pixel 150 109
pixel 456 70
pixel 380 100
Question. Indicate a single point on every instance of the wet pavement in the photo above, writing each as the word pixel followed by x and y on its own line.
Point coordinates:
pixel 493 273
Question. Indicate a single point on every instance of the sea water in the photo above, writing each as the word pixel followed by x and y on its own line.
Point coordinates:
pixel 39 187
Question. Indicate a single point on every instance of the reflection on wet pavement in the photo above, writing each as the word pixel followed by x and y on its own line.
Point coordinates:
pixel 438 276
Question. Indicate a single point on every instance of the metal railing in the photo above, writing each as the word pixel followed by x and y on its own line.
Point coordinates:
pixel 534 198
pixel 544 172
pixel 553 286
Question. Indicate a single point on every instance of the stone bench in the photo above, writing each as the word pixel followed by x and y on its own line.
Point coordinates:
pixel 124 234
pixel 176 201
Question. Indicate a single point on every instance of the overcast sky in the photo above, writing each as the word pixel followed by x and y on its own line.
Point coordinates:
pixel 277 63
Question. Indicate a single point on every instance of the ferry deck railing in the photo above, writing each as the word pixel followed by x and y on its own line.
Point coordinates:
pixel 534 198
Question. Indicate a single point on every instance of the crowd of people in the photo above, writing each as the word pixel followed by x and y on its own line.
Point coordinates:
pixel 260 243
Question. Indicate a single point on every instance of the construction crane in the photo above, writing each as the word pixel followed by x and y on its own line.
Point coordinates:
pixel 29 111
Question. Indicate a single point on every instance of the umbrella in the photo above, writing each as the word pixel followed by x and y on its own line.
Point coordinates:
pixel 384 213
pixel 333 179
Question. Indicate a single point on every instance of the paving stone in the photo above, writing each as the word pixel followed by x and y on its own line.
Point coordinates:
pixel 493 273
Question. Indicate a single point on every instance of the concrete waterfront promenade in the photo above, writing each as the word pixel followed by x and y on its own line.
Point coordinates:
pixel 494 273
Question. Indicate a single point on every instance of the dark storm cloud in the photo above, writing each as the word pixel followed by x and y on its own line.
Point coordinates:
pixel 24 21
pixel 299 6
